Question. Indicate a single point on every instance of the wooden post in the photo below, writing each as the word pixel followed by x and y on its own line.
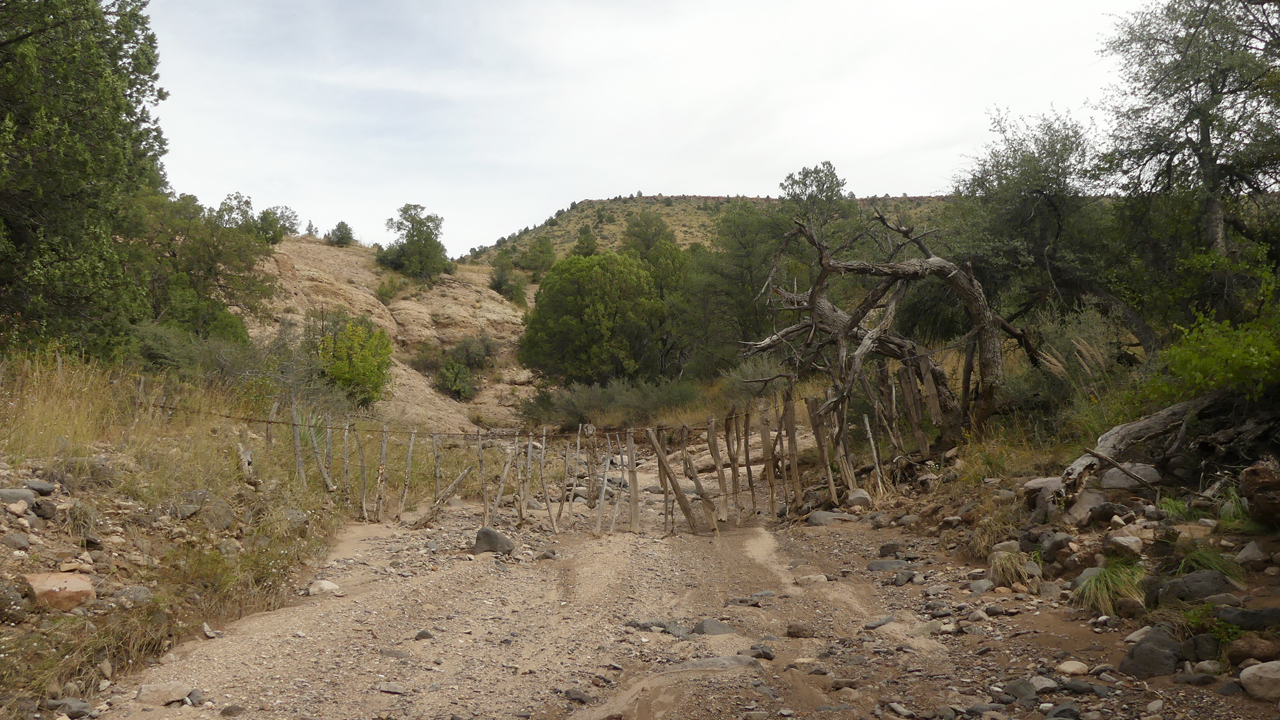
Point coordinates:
pixel 271 420
pixel 691 472
pixel 819 430
pixel 604 484
pixel 346 460
pixel 382 477
pixel 793 451
pixel 431 515
pixel 633 484
pixel 542 475
pixel 502 482
pixel 435 471
pixel 875 453
pixel 328 447
pixel 364 479
pixel 617 493
pixel 731 446
pixel 324 472
pixel 408 470
pixel 665 468
pixel 911 399
pixel 767 447
pixel 297 445
pixel 745 422
pixel 714 446
pixel 930 391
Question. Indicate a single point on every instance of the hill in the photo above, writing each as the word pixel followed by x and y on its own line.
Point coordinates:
pixel 691 217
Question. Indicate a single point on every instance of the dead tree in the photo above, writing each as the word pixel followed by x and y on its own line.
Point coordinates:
pixel 831 339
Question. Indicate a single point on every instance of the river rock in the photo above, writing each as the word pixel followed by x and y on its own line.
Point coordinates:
pixel 490 540
pixel 711 626
pixel 1083 507
pixel 1257 620
pixel 1124 546
pixel 1252 647
pixel 823 517
pixel 1251 556
pixel 62 591
pixel 1155 654
pixel 8 496
pixel 858 498
pixel 163 693
pixel 322 587
pixel 1114 479
pixel 1262 681
pixel 1260 485
pixel 1195 586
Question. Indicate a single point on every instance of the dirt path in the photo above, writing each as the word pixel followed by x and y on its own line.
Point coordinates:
pixel 549 638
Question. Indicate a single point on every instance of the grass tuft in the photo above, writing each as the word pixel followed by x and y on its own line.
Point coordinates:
pixel 1121 578
pixel 1193 556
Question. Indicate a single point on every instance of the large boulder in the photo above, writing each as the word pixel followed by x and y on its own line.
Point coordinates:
pixel 490 540
pixel 1155 654
pixel 1262 681
pixel 1114 479
pixel 823 517
pixel 61 591
pixel 1083 507
pixel 1256 620
pixel 1260 485
pixel 1195 586
pixel 1251 647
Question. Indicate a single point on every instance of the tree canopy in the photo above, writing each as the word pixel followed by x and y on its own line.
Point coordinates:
pixel 417 250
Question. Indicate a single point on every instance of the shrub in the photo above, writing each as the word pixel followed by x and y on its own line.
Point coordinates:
pixel 388 287
pixel 340 236
pixel 620 402
pixel 427 358
pixel 1242 358
pixel 474 352
pixel 507 281
pixel 357 358
pixel 455 380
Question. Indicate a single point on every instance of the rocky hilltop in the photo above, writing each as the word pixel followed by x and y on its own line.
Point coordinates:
pixel 313 276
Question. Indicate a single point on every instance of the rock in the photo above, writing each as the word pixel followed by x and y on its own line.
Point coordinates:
pixel 1252 647
pixel 1202 647
pixel 908 521
pixel 1083 506
pixel 71 707
pixel 890 549
pixel 1124 546
pixel 900 711
pixel 490 540
pixel 1256 620
pixel 1021 689
pixel 978 587
pixel 577 695
pixel 16 541
pixel 9 496
pixel 808 580
pixel 40 487
pixel 1251 556
pixel 1195 678
pixel 1260 485
pixel 62 591
pixel 800 630
pixel 1157 653
pixel 1195 586
pixel 163 693
pixel 1068 709
pixel 711 626
pixel 213 510
pixel 1114 479
pixel 1209 667
pixel 298 522
pixel 1223 599
pixel 759 651
pixel 16 598
pixel 423 635
pixel 1008 546
pixel 392 688
pixel 1230 687
pixel 232 711
pixel 877 624
pixel 881 565
pixel 1073 667
pixel 858 498
pixel 1049 590
pixel 1127 607
pixel 132 596
pixel 322 587
pixel 823 517
pixel 1262 681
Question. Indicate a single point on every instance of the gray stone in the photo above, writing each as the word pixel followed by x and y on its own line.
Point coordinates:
pixel 1068 709
pixel 1156 654
pixel 1223 599
pixel 1262 681
pixel 890 549
pixel 579 696
pixel 711 626
pixel 71 707
pixel 978 587
pixel 800 630
pixel 876 624
pixel 908 520
pixel 1114 479
pixel 1021 689
pixel 1008 546
pixel 490 540
pixel 1049 590
pixel 163 693
pixel 213 510
pixel 1054 543
pixel 1209 667
pixel 392 688
pixel 822 517
pixel 1195 678
pixel 1252 556
pixel 1083 507
pixel 132 596
pixel 15 600
pixel 40 487
pixel 1195 586
pixel 1259 619
pixel 1124 545
pixel 8 496
pixel 16 541
pixel 880 565
pixel 858 498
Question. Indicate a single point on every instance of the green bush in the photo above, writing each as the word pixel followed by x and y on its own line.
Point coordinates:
pixel 455 380
pixel 507 281
pixel 1242 358
pixel 341 235
pixel 357 358
pixel 388 287
pixel 427 358
pixel 474 352
pixel 619 402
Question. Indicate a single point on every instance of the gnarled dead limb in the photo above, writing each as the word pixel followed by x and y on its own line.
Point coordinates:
pixel 1117 439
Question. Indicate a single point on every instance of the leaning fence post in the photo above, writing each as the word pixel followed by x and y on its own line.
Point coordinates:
pixel 297 444
pixel 408 469
pixel 714 446
pixel 542 475
pixel 382 477
pixel 632 482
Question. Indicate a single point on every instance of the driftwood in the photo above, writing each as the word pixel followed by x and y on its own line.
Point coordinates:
pixel 432 514
pixel 664 470
pixel 1119 438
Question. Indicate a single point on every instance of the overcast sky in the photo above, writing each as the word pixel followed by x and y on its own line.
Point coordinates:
pixel 494 114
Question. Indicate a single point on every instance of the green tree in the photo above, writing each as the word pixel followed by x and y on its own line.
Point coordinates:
pixel 340 235
pixel 644 231
pixel 417 251
pixel 538 258
pixel 586 245
pixel 592 321
pixel 355 355
pixel 505 280
pixel 77 140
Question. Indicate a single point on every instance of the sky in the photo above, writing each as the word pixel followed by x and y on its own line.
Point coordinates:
pixel 494 114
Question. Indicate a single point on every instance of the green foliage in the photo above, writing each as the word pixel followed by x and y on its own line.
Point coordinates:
pixel 1080 358
pixel 427 358
pixel 586 245
pixel 355 355
pixel 455 380
pixel 1242 358
pixel 537 258
pixel 592 320
pixel 388 286
pixel 1194 556
pixel 1200 619
pixel 645 231
pixel 417 251
pixel 505 280
pixel 1179 510
pixel 1121 578
pixel 475 352
pixel 340 235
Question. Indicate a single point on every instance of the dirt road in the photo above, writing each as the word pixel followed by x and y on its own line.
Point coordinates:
pixel 421 629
